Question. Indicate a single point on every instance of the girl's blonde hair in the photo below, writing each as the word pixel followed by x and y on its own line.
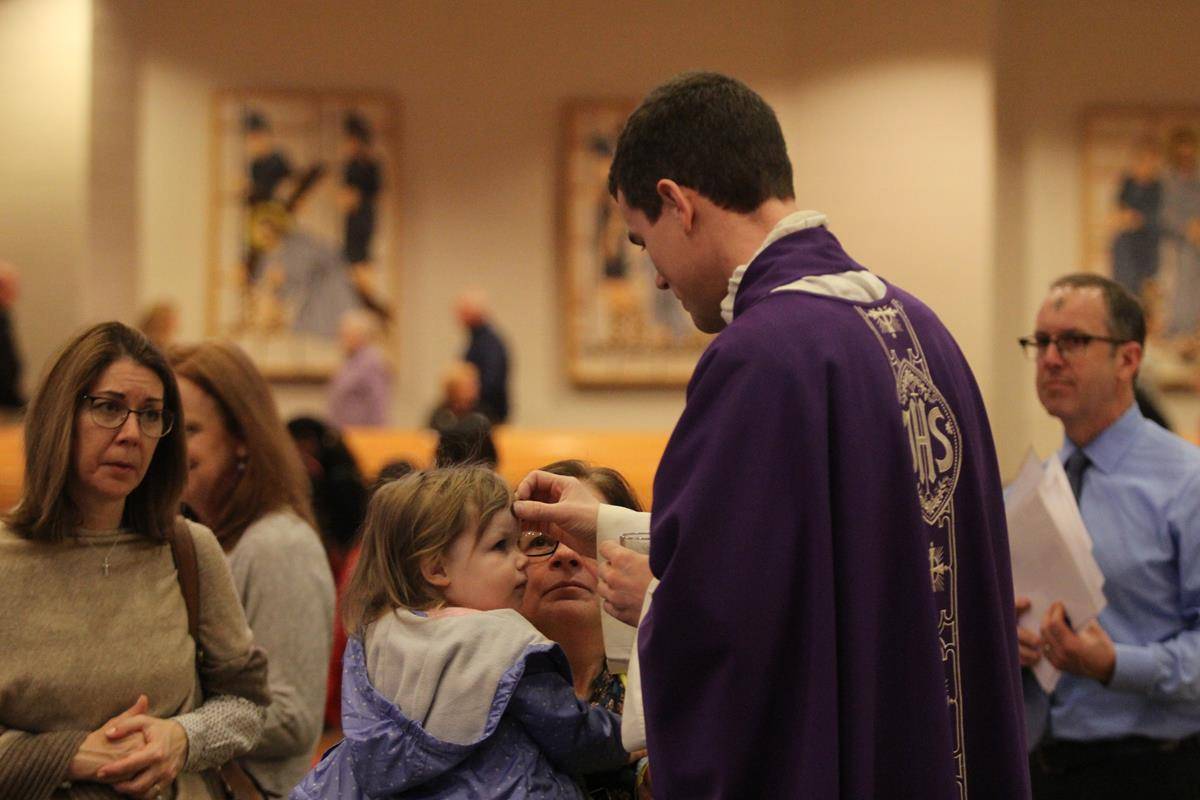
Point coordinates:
pixel 409 521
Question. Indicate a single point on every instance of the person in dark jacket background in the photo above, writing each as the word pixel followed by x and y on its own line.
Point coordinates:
pixel 487 351
pixel 12 399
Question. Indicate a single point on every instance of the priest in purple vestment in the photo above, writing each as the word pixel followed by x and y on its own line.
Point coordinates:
pixel 833 615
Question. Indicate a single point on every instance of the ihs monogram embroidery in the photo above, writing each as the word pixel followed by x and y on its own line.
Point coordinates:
pixel 935 444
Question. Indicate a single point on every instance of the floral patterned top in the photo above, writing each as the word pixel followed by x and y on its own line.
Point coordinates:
pixel 608 692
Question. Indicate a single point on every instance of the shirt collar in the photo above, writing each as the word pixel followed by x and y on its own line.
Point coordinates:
pixel 1106 450
pixel 797 221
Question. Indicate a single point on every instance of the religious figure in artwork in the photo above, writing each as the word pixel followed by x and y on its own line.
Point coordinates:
pixel 636 314
pixel 358 195
pixel 1139 204
pixel 305 286
pixel 272 182
pixel 1181 232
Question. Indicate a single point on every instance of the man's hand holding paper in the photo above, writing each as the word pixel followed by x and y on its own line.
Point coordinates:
pixel 1053 564
pixel 1090 653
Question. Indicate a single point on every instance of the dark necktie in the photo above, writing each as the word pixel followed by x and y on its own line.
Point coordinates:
pixel 1075 467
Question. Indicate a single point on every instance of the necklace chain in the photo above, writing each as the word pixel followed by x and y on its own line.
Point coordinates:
pixel 107 556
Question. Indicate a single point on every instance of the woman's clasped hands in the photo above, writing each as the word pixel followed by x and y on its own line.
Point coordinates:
pixel 137 754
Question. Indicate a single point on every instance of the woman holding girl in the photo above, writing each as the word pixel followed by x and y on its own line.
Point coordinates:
pixel 448 691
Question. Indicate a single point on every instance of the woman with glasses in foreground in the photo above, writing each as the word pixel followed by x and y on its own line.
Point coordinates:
pixel 103 691
pixel 246 481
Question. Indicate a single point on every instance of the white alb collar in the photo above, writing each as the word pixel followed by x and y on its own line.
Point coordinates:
pixel 797 221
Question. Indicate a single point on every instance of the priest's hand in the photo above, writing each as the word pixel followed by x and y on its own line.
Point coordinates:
pixel 624 576
pixel 545 500
pixel 1028 641
pixel 1090 653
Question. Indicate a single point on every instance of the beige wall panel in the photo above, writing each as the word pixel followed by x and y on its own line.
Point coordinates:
pixel 481 86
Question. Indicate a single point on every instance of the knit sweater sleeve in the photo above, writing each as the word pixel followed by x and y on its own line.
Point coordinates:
pixel 289 605
pixel 221 729
pixel 33 765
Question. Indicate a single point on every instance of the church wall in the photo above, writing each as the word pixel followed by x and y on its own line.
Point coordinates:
pixel 45 106
pixel 112 248
pixel 889 121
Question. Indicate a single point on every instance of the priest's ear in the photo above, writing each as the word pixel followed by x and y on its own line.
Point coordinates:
pixel 677 202
pixel 433 570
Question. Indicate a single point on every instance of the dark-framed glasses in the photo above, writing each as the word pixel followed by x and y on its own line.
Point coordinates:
pixel 1068 344
pixel 109 413
pixel 535 544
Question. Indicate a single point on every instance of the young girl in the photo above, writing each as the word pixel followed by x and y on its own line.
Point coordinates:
pixel 447 690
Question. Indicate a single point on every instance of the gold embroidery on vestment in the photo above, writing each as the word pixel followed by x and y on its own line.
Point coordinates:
pixel 937 567
pixel 935 443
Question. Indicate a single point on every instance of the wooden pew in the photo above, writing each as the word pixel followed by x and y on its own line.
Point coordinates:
pixel 634 454
pixel 12 464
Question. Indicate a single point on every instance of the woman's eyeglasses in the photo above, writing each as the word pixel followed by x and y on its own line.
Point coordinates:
pixel 109 413
pixel 535 544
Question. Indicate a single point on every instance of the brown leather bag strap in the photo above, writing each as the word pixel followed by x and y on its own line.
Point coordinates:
pixel 183 550
pixel 236 782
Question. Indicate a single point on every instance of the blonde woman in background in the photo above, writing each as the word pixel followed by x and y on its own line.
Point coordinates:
pixel 101 693
pixel 160 323
pixel 246 482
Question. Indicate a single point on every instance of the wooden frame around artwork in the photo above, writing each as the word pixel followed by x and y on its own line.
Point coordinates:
pixel 619 330
pixel 1114 139
pixel 306 128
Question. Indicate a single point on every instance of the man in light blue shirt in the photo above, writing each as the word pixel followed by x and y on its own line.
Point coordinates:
pixel 1124 718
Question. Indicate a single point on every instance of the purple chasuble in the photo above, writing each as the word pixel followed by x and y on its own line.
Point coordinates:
pixel 835 618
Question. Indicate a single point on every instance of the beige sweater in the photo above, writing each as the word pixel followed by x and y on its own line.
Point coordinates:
pixel 78 647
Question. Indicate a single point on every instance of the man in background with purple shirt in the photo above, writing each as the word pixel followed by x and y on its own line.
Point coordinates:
pixel 833 616
pixel 360 392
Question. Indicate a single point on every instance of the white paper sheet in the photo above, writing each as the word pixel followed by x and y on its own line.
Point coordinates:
pixel 1051 552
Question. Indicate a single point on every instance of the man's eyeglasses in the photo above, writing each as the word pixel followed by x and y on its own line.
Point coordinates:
pixel 535 544
pixel 109 413
pixel 1068 344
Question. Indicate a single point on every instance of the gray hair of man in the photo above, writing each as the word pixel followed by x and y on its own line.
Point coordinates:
pixel 357 329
